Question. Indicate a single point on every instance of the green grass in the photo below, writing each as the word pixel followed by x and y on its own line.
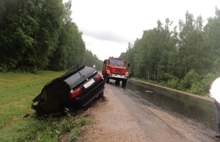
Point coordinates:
pixel 145 80
pixel 17 90
pixel 174 86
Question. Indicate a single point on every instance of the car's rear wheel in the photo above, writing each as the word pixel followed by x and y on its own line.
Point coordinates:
pixel 101 95
pixel 68 111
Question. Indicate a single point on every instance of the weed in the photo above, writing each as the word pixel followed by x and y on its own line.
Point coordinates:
pixel 82 121
pixel 17 90
pixel 73 136
pixel 66 125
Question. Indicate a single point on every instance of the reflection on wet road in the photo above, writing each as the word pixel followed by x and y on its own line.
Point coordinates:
pixel 175 103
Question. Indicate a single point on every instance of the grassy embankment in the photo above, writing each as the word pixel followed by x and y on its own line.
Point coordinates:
pixel 164 85
pixel 17 90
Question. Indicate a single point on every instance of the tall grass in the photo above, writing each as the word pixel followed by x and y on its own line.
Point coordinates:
pixel 17 90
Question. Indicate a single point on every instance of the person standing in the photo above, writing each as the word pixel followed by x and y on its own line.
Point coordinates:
pixel 217 104
pixel 215 93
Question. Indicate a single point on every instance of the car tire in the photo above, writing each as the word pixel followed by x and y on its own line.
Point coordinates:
pixel 117 82
pixel 107 79
pixel 124 82
pixel 101 94
pixel 68 111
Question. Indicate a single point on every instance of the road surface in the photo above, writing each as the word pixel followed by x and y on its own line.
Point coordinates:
pixel 120 117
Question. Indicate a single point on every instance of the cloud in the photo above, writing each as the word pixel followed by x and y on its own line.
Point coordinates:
pixel 105 35
pixel 104 48
pixel 109 25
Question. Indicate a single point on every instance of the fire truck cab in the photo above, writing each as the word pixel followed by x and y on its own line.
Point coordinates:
pixel 115 68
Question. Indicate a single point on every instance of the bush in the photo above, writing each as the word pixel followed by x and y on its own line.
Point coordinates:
pixel 197 88
pixel 189 79
pixel 173 83
pixel 207 81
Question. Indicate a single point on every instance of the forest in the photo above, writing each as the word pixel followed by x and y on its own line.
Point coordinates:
pixel 184 57
pixel 40 35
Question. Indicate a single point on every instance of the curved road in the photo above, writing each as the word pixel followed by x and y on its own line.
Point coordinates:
pixel 121 117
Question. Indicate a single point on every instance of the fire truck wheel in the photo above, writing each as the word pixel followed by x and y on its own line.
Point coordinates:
pixel 124 82
pixel 117 81
pixel 107 79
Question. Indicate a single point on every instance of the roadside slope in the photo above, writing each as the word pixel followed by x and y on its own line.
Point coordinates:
pixel 112 121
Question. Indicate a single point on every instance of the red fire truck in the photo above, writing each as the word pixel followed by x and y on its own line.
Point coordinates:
pixel 115 68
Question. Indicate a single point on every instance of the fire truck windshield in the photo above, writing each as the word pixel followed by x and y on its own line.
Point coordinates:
pixel 117 62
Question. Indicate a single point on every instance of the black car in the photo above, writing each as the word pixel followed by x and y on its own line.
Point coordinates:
pixel 77 87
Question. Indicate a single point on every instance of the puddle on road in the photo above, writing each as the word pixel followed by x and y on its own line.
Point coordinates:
pixel 175 103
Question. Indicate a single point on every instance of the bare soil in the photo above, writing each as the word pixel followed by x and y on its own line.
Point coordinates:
pixel 118 118
pixel 112 122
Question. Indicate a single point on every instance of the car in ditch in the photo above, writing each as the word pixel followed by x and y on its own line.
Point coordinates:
pixel 76 88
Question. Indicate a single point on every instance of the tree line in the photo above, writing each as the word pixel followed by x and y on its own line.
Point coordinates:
pixel 40 35
pixel 187 59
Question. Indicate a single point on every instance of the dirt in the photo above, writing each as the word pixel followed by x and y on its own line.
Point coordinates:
pixel 63 137
pixel 112 122
pixel 120 118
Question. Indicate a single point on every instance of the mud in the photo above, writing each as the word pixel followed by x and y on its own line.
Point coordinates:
pixel 121 117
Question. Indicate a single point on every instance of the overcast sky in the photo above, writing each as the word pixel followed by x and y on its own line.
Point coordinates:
pixel 109 25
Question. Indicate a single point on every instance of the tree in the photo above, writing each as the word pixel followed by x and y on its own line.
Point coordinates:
pixel 29 33
pixel 190 44
pixel 129 57
pixel 38 34
pixel 90 60
pixel 16 36
pixel 179 60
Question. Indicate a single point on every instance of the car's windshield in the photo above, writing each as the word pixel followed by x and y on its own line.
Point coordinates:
pixel 117 62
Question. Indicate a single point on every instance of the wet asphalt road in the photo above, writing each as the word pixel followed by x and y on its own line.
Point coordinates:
pixel 166 115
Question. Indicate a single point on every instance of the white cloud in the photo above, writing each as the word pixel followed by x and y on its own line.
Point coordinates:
pixel 108 25
pixel 103 47
pixel 105 35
